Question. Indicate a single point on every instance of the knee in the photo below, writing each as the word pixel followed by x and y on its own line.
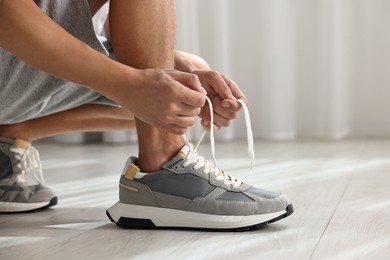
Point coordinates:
pixel 200 63
pixel 196 60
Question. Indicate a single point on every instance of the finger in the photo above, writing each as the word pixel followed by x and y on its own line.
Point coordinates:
pixel 216 82
pixel 221 121
pixel 186 110
pixel 219 84
pixel 192 98
pixel 183 121
pixel 226 113
pixel 235 89
pixel 231 105
pixel 218 119
pixel 191 81
pixel 206 126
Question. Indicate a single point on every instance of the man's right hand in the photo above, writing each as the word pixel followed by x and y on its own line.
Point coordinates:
pixel 165 99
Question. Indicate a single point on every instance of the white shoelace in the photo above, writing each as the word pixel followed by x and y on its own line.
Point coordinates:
pixel 29 161
pixel 200 161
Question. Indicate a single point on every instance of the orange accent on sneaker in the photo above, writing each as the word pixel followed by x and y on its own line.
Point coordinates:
pixel 20 143
pixel 128 187
pixel 132 170
pixel 181 154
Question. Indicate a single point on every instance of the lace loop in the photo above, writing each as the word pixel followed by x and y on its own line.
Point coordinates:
pixel 29 161
pixel 199 161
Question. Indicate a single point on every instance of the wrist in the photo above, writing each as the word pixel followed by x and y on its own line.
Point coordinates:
pixel 117 81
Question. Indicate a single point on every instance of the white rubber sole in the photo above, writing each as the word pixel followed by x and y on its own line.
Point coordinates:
pixel 15 207
pixel 20 207
pixel 128 215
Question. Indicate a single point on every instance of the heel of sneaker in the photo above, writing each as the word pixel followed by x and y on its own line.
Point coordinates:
pixel 125 222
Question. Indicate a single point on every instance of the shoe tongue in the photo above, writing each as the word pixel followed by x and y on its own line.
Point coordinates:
pixel 184 152
pixel 19 143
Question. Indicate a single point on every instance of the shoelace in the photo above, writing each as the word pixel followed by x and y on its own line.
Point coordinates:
pixel 29 161
pixel 200 161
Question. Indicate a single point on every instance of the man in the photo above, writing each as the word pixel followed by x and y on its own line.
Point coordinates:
pixel 55 78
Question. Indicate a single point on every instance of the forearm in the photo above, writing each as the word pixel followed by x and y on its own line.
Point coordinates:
pixel 32 36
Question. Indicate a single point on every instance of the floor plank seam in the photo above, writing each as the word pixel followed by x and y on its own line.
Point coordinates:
pixel 334 211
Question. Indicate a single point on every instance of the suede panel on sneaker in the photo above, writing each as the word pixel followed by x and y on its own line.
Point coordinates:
pixel 210 205
pixel 145 197
pixel 22 193
pixel 172 202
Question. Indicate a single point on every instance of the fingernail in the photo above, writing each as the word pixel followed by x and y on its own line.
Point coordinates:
pixel 226 104
pixel 205 123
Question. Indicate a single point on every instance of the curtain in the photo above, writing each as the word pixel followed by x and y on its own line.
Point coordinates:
pixel 310 69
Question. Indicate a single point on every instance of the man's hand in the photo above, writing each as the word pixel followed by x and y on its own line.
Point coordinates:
pixel 168 100
pixel 223 93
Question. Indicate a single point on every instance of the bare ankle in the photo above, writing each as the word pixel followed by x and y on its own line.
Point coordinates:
pixel 148 166
pixel 153 156
pixel 154 160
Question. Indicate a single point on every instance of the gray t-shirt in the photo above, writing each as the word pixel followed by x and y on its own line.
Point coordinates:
pixel 27 93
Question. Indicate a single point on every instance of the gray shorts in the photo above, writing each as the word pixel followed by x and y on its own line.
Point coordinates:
pixel 27 93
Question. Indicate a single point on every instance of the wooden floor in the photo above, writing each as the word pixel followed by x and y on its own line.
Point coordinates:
pixel 340 191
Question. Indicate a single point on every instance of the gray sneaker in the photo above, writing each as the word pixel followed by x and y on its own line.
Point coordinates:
pixel 18 157
pixel 190 192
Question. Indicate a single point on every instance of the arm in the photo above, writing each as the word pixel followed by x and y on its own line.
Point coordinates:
pixel 32 36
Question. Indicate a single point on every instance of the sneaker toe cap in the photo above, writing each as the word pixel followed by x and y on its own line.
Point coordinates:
pixel 268 201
